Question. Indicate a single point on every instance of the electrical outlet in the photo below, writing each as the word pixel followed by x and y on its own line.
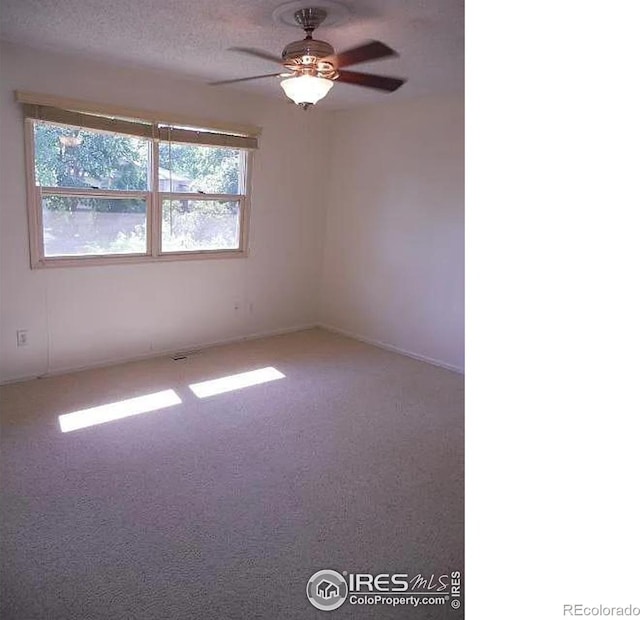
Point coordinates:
pixel 21 337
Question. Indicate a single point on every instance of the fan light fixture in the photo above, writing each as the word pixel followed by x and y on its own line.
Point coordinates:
pixel 312 65
pixel 306 90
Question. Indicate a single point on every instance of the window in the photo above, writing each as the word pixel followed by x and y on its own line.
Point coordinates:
pixel 108 188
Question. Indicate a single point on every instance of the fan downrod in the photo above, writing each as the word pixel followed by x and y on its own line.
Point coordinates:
pixel 310 19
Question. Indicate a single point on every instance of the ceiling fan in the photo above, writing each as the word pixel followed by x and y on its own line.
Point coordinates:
pixel 311 66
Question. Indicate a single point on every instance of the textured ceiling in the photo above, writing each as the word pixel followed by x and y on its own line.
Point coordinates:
pixel 192 37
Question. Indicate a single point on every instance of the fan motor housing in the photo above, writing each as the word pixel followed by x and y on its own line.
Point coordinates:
pixel 305 56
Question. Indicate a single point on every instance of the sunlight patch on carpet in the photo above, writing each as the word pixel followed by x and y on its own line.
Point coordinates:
pixel 235 382
pixel 118 410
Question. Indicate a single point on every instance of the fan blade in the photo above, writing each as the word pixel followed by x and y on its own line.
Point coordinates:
pixel 252 51
pixel 368 80
pixel 363 53
pixel 255 77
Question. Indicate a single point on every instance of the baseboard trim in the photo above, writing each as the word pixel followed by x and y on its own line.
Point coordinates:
pixel 390 347
pixel 187 350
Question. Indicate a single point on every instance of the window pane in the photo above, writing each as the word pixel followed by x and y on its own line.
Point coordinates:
pixel 72 157
pixel 75 226
pixel 193 168
pixel 193 225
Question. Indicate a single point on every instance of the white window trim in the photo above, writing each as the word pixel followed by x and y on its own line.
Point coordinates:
pixel 153 197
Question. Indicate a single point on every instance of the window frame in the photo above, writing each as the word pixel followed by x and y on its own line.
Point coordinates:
pixel 153 196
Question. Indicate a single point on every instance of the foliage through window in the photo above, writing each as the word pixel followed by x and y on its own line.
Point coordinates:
pixel 170 192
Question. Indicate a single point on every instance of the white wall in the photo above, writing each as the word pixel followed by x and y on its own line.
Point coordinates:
pixel 89 315
pixel 394 247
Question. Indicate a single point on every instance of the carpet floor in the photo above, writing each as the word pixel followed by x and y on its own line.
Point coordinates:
pixel 222 507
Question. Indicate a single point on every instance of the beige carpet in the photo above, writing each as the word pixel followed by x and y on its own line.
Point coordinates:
pixel 223 507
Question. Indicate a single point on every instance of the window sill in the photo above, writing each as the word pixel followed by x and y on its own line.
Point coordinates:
pixel 123 259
